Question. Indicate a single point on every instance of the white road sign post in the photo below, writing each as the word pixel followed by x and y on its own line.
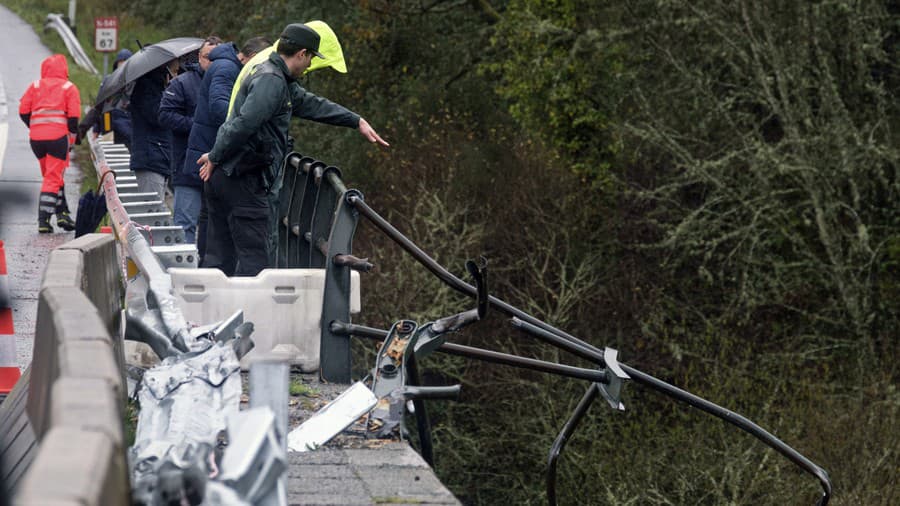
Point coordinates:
pixel 106 37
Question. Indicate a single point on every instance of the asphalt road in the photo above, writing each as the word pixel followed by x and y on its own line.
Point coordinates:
pixel 21 54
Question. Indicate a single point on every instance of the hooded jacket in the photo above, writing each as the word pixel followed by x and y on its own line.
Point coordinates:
pixel 51 105
pixel 176 112
pixel 149 139
pixel 258 127
pixel 212 104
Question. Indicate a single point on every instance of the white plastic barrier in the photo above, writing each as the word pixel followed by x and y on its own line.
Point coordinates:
pixel 285 306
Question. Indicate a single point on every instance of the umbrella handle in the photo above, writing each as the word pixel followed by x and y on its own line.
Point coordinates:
pixel 103 178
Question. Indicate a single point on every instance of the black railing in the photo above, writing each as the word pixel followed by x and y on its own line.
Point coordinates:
pixel 317 219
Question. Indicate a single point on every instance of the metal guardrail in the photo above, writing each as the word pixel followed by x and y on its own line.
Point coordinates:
pixel 56 22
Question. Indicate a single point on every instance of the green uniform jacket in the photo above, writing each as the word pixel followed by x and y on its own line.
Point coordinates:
pixel 262 114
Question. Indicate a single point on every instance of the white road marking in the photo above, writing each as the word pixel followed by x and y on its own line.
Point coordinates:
pixel 4 124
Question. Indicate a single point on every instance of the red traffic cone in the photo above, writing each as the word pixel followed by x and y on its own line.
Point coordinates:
pixel 9 369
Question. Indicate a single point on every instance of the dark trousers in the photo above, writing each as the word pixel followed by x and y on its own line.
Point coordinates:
pixel 202 221
pixel 238 226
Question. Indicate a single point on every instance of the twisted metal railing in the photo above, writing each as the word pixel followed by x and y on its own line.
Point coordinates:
pixel 316 222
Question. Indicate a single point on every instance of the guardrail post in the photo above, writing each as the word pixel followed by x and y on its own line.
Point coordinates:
pixel 326 202
pixel 286 200
pixel 270 377
pixel 301 211
pixel 334 354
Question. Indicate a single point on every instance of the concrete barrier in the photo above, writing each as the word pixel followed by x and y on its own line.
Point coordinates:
pixel 18 446
pixel 100 279
pixel 75 466
pixel 70 341
pixel 75 397
pixel 102 283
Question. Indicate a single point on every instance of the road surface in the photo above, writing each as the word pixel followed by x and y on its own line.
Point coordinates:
pixel 21 54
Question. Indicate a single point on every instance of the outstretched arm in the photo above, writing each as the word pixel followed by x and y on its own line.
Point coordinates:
pixel 369 133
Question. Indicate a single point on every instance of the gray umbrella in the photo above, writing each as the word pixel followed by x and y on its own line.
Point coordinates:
pixel 145 60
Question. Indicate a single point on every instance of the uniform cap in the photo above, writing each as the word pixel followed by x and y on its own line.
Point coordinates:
pixel 302 36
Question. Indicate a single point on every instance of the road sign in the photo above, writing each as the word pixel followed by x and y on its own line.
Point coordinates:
pixel 106 34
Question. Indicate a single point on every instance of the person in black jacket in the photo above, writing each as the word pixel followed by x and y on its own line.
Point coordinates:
pixel 150 151
pixel 176 112
pixel 245 161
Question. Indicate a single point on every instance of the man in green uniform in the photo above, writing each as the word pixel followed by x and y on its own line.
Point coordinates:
pixel 245 162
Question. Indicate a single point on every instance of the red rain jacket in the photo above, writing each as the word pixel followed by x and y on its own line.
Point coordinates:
pixel 51 105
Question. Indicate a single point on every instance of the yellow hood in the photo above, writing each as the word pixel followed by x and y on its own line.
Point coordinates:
pixel 329 47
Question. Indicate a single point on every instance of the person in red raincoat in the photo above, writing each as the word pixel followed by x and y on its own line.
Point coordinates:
pixel 51 108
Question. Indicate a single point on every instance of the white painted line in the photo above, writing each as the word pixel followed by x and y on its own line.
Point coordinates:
pixel 4 124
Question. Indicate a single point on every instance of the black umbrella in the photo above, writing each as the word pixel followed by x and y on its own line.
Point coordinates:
pixel 145 60
pixel 91 209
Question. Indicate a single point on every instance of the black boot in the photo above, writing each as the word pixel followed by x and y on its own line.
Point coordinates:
pixel 63 220
pixel 46 208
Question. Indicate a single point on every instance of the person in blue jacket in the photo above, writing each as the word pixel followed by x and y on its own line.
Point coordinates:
pixel 120 119
pixel 212 108
pixel 176 112
pixel 150 152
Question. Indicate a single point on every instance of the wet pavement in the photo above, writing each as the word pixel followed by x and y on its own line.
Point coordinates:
pixel 21 53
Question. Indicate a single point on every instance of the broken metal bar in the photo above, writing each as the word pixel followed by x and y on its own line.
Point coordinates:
pixel 352 329
pixel 355 263
pixel 594 354
pixel 423 423
pixel 739 421
pixel 555 340
pixel 722 413
pixel 588 351
pixel 595 375
pixel 563 438
pixel 329 421
pixel 414 393
pixel 159 282
pixel 640 377
pixel 345 260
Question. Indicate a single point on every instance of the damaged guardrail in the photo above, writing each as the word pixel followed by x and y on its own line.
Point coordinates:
pixel 317 219
pixel 315 202
pixel 192 443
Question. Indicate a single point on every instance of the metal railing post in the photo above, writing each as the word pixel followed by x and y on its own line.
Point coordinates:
pixel 302 214
pixel 334 350
pixel 285 200
pixel 270 378
pixel 323 215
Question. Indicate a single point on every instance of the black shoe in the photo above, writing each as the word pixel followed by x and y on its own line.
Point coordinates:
pixel 64 221
pixel 44 226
